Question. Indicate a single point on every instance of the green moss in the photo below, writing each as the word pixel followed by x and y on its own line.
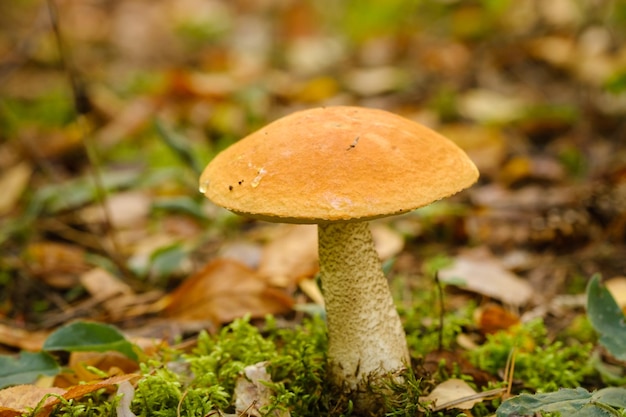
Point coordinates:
pixel 96 404
pixel 203 381
pixel 541 364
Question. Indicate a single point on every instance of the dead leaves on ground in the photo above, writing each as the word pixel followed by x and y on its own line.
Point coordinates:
pixel 481 272
pixel 457 394
pixel 224 290
pixel 227 288
pixel 18 399
pixel 252 392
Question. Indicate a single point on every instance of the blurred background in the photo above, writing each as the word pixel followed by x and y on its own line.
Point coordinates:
pixel 110 109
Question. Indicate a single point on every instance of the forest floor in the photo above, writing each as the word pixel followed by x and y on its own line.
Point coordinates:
pixel 109 111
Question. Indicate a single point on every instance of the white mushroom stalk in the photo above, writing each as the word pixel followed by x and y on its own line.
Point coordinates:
pixel 366 337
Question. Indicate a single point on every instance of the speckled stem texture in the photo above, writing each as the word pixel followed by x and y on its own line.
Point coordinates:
pixel 366 337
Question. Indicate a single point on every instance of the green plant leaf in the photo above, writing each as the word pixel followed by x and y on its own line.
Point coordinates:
pixel 180 146
pixel 185 205
pixel 607 318
pixel 166 260
pixel 88 336
pixel 568 402
pixel 613 396
pixel 27 368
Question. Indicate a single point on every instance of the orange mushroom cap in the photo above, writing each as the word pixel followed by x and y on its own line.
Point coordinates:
pixel 336 164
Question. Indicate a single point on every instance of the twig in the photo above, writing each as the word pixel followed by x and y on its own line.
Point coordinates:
pixel 509 370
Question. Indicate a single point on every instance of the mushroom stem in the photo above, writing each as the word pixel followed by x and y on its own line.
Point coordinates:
pixel 366 337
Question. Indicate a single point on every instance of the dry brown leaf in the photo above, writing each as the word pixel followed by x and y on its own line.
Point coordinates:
pixel 21 338
pixel 617 288
pixel 521 168
pixel 252 392
pixel 116 296
pixel 16 400
pixel 57 264
pixel 375 81
pixel 488 106
pixel 387 242
pixel 103 285
pixel 13 182
pixel 316 89
pixel 290 256
pixel 242 250
pixel 126 210
pixel 53 143
pixel 312 290
pixel 479 271
pixel 558 51
pixel 449 394
pixel 485 145
pixel 223 291
pixel 492 318
pixel 111 362
pixel 205 85
pixel 128 118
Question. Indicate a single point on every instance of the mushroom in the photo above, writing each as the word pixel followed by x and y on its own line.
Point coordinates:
pixel 339 167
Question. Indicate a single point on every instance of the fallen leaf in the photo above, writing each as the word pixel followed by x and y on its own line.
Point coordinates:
pixel 489 106
pixel 116 296
pixel 375 81
pixel 126 391
pixel 205 85
pixel 22 339
pixel 244 251
pixel 485 145
pixel 537 168
pixel 252 392
pixel 53 143
pixel 479 271
pixel 56 264
pixel 617 288
pixel 317 89
pixel 290 256
pixel 387 242
pixel 103 285
pixel 313 55
pixel 492 318
pixel 111 362
pixel 17 400
pixel 13 182
pixel 451 394
pixel 126 210
pixel 127 118
pixel 224 290
pixel 456 361
pixel 312 290
pixel 558 51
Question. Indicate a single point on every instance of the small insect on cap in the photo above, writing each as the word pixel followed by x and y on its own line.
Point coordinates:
pixel 336 164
